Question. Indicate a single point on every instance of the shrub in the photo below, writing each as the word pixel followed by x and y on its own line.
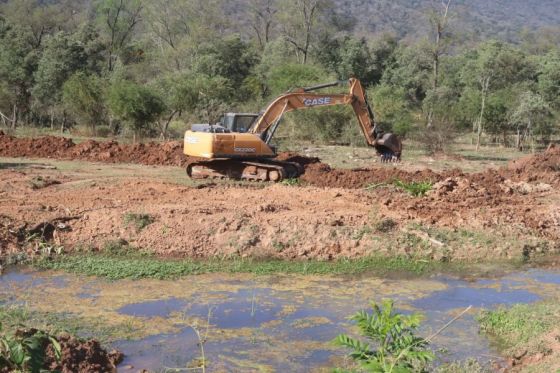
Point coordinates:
pixel 139 221
pixel 397 348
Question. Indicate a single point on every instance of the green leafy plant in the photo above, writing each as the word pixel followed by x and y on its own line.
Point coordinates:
pixel 417 189
pixel 396 347
pixel 139 221
pixel 291 182
pixel 25 350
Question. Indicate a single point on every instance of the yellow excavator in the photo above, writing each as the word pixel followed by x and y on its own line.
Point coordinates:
pixel 239 147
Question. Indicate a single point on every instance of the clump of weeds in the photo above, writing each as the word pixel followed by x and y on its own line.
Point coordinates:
pixel 39 182
pixel 385 225
pixel 291 182
pixel 360 233
pixel 139 221
pixel 417 189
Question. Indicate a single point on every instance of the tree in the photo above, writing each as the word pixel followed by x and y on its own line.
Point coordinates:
pixel 135 104
pixel 119 17
pixel 439 20
pixel 175 29
pixel 391 109
pixel 263 13
pixel 38 18
pixel 83 97
pixel 284 77
pixel 549 78
pixel 18 62
pixel 349 57
pixel 61 57
pixel 531 111
pixel 410 70
pixel 496 115
pixel 300 21
pixel 494 65
pixel 230 58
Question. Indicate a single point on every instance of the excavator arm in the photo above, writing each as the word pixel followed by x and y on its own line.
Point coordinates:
pixel 387 145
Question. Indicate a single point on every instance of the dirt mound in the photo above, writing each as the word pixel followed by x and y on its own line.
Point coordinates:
pixel 543 167
pixel 82 356
pixel 297 158
pixel 168 154
pixel 322 175
pixel 47 146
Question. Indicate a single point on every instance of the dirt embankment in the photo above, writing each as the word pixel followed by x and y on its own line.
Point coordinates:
pixel 495 213
pixel 164 154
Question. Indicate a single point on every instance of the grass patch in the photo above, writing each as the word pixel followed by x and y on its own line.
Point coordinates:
pixel 417 189
pixel 520 324
pixel 117 267
pixel 291 182
pixel 17 316
pixel 139 221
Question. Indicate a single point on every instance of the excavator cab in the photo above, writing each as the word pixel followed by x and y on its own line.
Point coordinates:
pixel 238 122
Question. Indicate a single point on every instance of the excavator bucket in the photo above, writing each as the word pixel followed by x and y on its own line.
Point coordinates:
pixel 389 147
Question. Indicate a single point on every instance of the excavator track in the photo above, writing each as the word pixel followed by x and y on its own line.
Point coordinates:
pixel 254 170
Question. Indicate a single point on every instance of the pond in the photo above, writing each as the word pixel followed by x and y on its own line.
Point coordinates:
pixel 267 323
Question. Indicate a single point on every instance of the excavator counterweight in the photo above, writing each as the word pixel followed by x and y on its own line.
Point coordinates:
pixel 239 146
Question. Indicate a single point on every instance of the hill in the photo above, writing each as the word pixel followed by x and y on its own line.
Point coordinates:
pixel 481 19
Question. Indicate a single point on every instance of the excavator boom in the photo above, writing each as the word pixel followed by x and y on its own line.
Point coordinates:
pixel 387 145
pixel 245 153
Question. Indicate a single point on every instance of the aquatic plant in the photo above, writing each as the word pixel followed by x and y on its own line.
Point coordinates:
pixel 396 348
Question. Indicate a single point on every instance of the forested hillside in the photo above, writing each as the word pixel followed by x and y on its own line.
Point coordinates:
pixel 479 19
pixel 150 68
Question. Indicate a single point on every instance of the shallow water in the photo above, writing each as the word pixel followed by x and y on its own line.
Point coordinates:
pixel 268 323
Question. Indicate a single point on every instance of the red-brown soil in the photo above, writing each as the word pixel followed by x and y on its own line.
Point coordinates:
pixel 82 356
pixel 543 167
pixel 506 212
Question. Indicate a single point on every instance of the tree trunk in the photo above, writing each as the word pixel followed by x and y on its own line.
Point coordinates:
pixel 52 120
pixel 485 85
pixel 15 117
pixel 440 24
pixel 63 124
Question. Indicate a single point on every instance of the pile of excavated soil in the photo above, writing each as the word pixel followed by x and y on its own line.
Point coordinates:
pixel 165 154
pixel 543 167
pixel 82 356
